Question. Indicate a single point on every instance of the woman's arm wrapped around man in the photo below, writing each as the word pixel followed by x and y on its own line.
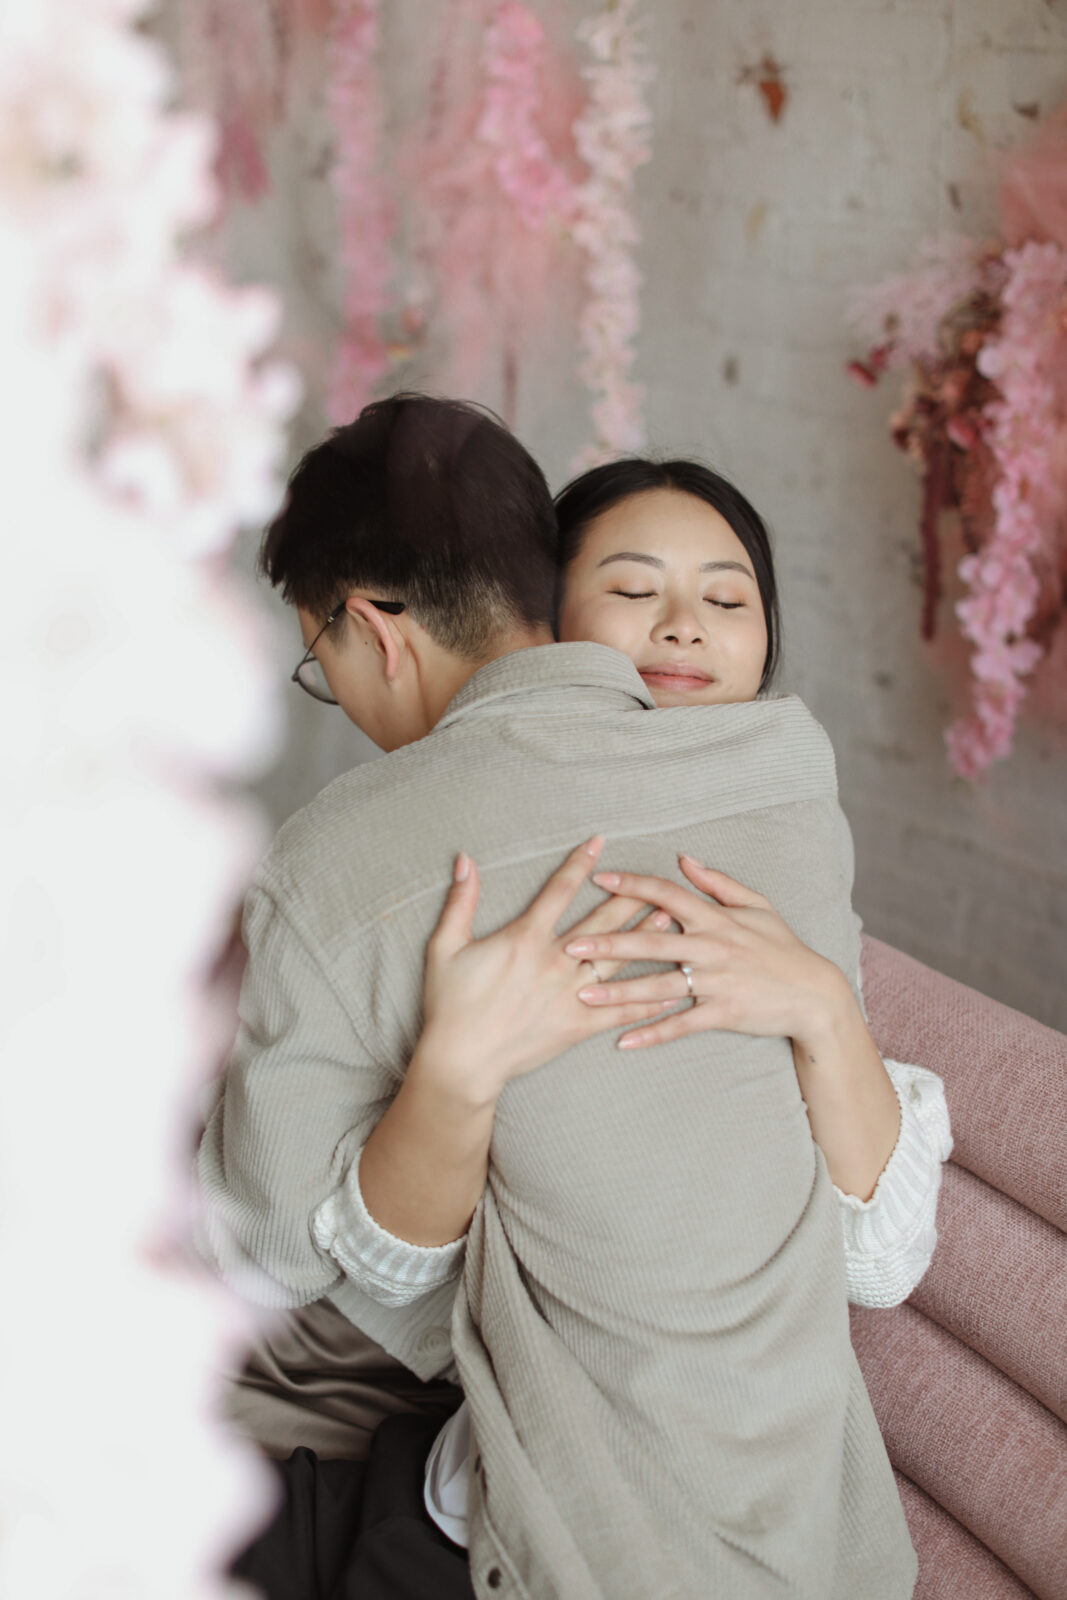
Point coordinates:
pixel 498 1007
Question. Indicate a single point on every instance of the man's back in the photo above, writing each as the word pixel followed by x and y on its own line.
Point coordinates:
pixel 542 748
pixel 654 1225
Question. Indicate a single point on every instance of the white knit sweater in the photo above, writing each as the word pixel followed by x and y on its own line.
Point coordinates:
pixel 888 1242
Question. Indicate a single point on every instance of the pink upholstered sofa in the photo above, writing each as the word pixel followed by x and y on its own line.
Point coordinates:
pixel 969 1377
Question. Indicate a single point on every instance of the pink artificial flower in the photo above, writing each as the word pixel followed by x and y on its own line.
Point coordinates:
pixel 1023 426
pixel 366 211
pixel 613 138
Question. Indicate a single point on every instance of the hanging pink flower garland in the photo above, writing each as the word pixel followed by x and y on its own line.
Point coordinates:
pixel 1002 577
pixel 537 185
pixel 366 213
pixel 613 138
pixel 481 269
pixel 491 183
pixel 233 67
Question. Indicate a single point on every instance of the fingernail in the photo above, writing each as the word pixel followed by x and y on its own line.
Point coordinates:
pixel 593 846
pixel 606 880
pixel 629 1041
pixel 661 920
pixel 462 870
pixel 578 947
pixel 693 862
pixel 591 996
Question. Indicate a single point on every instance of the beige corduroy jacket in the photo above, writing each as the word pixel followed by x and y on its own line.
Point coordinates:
pixel 539 750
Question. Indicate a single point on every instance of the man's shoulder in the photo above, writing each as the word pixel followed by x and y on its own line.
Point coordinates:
pixel 781 723
pixel 341 810
pixel 368 828
pixel 386 832
pixel 397 792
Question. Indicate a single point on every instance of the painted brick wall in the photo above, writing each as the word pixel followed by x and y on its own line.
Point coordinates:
pixel 754 232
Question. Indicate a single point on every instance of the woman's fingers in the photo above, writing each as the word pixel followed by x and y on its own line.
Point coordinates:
pixel 694 1019
pixel 656 922
pixel 663 986
pixel 683 905
pixel 639 945
pixel 726 890
pixel 611 916
pixel 455 925
pixel 549 905
pixel 603 1020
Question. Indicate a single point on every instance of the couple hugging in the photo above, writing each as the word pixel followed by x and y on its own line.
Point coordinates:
pixel 554 1131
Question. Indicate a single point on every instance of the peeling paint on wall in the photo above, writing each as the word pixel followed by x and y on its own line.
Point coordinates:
pixel 768 76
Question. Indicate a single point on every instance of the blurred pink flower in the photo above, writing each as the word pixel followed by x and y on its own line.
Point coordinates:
pixel 366 210
pixel 613 138
pixel 1028 499
pixel 537 185
pixel 144 422
pixel 904 313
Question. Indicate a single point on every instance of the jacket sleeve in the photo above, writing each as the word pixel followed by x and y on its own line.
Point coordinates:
pixel 890 1238
pixel 295 1104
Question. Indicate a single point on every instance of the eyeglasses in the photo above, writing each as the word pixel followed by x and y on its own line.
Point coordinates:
pixel 309 674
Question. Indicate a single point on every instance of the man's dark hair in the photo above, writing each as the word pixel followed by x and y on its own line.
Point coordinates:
pixel 432 502
pixel 584 498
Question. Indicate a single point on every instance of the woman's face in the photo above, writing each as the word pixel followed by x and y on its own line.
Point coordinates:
pixel 664 578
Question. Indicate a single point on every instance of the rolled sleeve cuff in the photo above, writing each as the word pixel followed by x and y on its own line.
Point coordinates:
pixel 390 1270
pixel 890 1238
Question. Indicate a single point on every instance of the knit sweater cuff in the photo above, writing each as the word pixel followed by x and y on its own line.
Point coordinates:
pixel 392 1271
pixel 890 1238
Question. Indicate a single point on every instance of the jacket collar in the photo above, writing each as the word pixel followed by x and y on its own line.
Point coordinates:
pixel 550 668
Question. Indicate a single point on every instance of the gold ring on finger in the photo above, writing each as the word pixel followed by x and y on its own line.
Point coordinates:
pixel 596 974
pixel 687 969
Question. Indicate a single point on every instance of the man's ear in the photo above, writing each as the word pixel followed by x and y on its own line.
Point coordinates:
pixel 385 636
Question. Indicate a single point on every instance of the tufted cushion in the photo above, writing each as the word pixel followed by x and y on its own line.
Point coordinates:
pixel 1005 1075
pixel 952 1561
pixel 980 1446
pixel 969 1378
pixel 998 1281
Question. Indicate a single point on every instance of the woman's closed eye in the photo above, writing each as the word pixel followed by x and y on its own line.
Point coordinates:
pixel 651 594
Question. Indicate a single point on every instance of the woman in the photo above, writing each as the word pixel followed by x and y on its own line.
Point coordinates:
pixel 671 566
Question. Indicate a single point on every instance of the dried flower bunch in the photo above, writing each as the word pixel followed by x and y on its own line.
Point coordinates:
pixel 981 329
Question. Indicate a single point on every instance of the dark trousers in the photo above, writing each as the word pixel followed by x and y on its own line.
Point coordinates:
pixel 358 1530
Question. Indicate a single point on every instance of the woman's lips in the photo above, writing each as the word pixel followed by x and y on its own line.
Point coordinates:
pixel 679 678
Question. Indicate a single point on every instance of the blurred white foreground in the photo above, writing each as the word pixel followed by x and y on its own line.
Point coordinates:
pixel 139 427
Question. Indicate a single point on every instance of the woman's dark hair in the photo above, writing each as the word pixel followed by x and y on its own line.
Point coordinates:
pixel 584 498
pixel 432 502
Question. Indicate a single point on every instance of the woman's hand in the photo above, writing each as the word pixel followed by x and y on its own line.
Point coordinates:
pixel 501 1006
pixel 751 974
pixel 748 971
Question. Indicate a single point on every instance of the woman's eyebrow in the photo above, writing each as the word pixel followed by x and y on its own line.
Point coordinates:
pixel 631 555
pixel 654 561
pixel 728 566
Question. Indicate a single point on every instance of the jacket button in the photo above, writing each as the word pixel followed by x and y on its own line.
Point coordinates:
pixel 494 1577
pixel 434 1340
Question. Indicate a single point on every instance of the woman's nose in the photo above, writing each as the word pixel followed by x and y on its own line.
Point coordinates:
pixel 680 627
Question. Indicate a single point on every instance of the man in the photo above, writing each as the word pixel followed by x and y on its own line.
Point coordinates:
pixel 418 547
pixel 437 504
